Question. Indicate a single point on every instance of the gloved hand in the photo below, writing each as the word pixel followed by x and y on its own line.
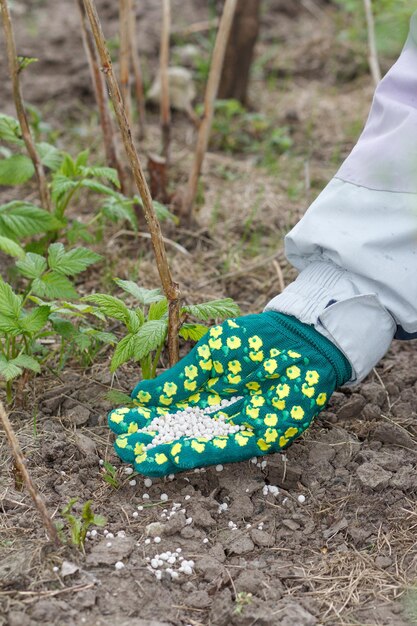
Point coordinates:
pixel 281 371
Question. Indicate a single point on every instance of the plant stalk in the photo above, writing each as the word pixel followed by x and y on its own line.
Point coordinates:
pixel 30 486
pixel 124 59
pixel 100 92
pixel 373 52
pixel 137 72
pixel 14 70
pixel 170 288
pixel 164 78
pixel 209 100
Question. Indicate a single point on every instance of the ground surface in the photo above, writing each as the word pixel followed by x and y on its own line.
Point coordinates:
pixel 347 555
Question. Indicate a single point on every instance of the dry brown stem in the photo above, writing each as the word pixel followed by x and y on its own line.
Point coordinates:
pixel 170 288
pixel 164 78
pixel 124 59
pixel 373 53
pixel 100 92
pixel 14 69
pixel 23 471
pixel 209 100
pixel 137 72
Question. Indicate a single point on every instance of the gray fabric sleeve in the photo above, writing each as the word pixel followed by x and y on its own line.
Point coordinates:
pixel 356 246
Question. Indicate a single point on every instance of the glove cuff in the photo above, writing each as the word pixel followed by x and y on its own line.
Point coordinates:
pixel 295 328
pixel 326 297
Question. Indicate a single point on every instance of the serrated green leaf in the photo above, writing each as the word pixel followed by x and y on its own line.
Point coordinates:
pixel 8 369
pixel 142 295
pixel 23 219
pixel 149 337
pixel 124 351
pixel 61 185
pixel 72 262
pixel 94 185
pixel 16 170
pixel 34 321
pixel 63 327
pixel 54 285
pixel 82 160
pixel 27 362
pixel 100 335
pixel 157 310
pixel 134 322
pixel 192 332
pixel 82 341
pixel 10 130
pixel 107 173
pixel 10 303
pixel 10 247
pixel 215 309
pixel 163 213
pixel 50 156
pixel 9 326
pixel 120 208
pixel 110 306
pixel 118 397
pixel 32 265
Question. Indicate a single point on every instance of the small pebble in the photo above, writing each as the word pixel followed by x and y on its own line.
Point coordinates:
pixel 101 462
pixel 157 540
pixel 55 568
pixel 301 499
pixel 179 550
pixel 109 544
pixel 121 534
pixel 135 514
pixel 164 497
pixel 187 497
pixel 132 483
pixel 205 540
pixel 147 541
pixel 171 476
pixel 93 533
pixel 105 532
pixel 128 470
pixel 147 482
pixel 145 496
pixel 189 521
pixel 110 536
pixel 219 468
pixel 140 507
pixel 119 565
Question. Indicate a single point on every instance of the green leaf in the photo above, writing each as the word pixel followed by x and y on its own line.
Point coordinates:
pixel 81 160
pixel 72 262
pixel 8 369
pixel 100 335
pixel 124 351
pixel 118 397
pixel 110 306
pixel 144 296
pixel 54 285
pixel 23 219
pixel 108 173
pixel 32 266
pixel 149 337
pixel 163 213
pixel 10 303
pixel 10 247
pixel 120 208
pixel 64 328
pixel 50 156
pixel 10 130
pixel 27 362
pixel 94 185
pixel 36 320
pixel 16 170
pixel 61 185
pixel 214 309
pixel 24 62
pixel 157 310
pixel 192 332
pixel 134 322
pixel 9 326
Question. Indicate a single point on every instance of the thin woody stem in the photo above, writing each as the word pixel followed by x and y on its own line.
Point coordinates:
pixel 373 53
pixel 209 100
pixel 137 72
pixel 30 486
pixel 100 92
pixel 170 288
pixel 14 70
pixel 164 78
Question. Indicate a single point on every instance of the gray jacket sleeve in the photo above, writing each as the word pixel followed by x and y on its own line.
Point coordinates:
pixel 356 246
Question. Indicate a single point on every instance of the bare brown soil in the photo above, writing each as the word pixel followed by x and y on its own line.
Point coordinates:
pixel 347 555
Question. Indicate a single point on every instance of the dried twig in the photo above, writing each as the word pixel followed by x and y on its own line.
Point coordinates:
pixel 124 58
pixel 14 69
pixel 21 467
pixel 170 288
pixel 373 53
pixel 210 96
pixel 100 92
pixel 137 72
pixel 164 78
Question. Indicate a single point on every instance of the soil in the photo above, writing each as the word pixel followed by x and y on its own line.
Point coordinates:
pixel 346 555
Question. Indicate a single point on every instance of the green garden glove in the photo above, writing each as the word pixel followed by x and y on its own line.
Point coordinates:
pixel 279 372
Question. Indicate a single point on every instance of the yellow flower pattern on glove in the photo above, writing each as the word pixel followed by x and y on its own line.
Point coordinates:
pixel 233 342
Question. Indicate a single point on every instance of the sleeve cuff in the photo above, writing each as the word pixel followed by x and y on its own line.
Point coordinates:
pixel 326 297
